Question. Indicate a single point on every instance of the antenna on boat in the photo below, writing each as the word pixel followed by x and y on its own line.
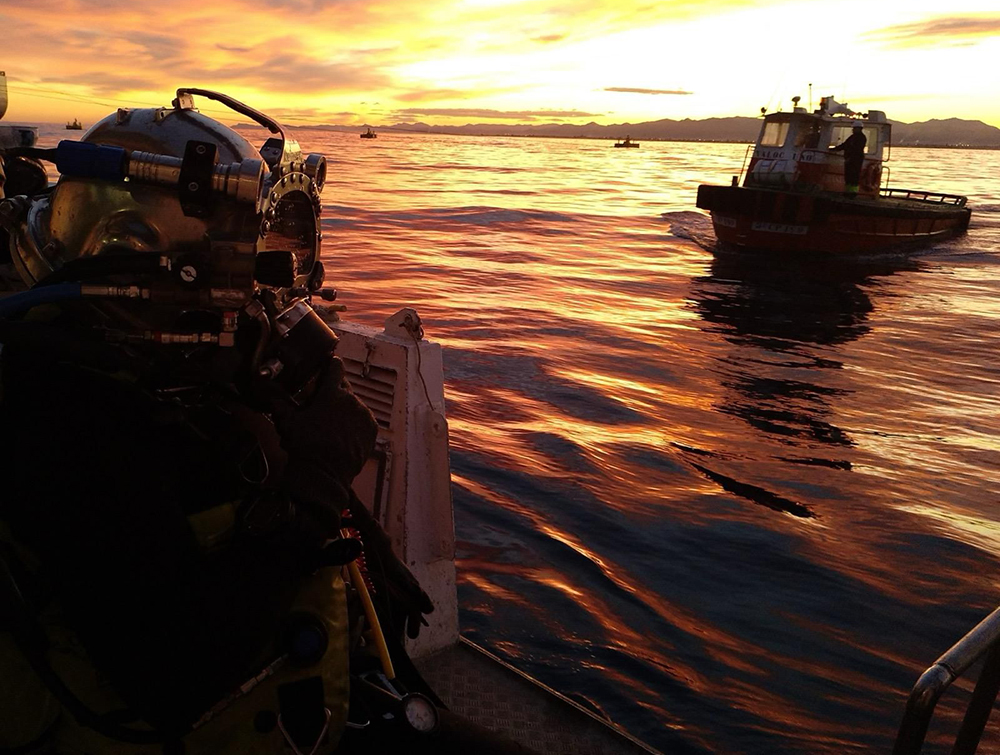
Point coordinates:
pixel 810 96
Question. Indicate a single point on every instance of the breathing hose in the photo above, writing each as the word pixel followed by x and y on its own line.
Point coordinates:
pixel 15 304
pixel 64 284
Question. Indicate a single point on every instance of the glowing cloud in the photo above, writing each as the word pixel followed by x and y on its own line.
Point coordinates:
pixel 460 112
pixel 949 30
pixel 640 90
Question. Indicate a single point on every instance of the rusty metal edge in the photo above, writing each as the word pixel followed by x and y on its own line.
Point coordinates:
pixel 609 725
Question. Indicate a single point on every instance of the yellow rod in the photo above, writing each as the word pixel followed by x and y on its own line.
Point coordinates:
pixel 376 628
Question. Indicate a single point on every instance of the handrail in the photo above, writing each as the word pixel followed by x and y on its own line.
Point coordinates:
pixel 932 197
pixel 744 164
pixel 983 640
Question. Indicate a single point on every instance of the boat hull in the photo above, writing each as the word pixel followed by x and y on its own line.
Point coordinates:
pixel 751 219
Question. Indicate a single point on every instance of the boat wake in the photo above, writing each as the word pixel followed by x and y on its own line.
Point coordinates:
pixel 693 226
pixel 978 210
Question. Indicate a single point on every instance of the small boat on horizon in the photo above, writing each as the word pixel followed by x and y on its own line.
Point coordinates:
pixel 802 192
pixel 369 134
pixel 627 142
pixel 74 126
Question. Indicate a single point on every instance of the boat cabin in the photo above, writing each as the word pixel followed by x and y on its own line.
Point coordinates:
pixel 794 149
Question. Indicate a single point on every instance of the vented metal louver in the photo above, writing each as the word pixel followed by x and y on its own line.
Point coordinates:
pixel 377 388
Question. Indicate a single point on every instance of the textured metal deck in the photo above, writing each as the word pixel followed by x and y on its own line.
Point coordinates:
pixel 484 689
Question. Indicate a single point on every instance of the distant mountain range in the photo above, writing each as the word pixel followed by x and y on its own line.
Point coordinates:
pixel 950 132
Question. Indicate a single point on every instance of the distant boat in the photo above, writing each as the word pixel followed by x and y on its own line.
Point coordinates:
pixel 369 134
pixel 627 142
pixel 75 125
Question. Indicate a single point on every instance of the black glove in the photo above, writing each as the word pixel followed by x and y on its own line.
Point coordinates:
pixel 407 602
pixel 328 440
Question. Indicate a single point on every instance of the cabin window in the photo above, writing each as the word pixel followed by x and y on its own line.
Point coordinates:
pixel 841 132
pixel 871 146
pixel 808 135
pixel 774 134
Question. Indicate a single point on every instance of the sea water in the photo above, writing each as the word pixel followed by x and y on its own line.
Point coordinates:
pixel 734 506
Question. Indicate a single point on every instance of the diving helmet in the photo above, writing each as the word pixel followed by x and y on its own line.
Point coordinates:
pixel 181 215
pixel 176 183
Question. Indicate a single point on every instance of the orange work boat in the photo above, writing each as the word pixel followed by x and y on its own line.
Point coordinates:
pixel 794 197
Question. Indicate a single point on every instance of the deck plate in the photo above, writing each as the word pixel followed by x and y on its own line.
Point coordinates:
pixel 489 692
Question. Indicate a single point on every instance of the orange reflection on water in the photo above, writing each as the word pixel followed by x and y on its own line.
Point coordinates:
pixel 720 641
pixel 755 499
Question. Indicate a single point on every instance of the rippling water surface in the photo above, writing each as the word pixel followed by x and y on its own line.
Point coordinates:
pixel 736 508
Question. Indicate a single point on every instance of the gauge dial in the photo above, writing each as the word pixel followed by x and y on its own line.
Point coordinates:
pixel 421 713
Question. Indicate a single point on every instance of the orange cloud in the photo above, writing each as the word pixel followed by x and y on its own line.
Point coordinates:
pixel 298 73
pixel 425 95
pixel 458 112
pixel 948 30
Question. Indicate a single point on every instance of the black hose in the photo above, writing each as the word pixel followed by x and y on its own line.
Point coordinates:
pixel 262 341
pixel 102 265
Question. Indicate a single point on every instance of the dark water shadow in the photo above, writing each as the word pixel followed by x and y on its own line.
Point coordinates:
pixel 784 320
pixel 780 301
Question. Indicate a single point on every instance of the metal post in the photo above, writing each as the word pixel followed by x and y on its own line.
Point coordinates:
pixel 980 707
pixel 982 640
pixel 920 708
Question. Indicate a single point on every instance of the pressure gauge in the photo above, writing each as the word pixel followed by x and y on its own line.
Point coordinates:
pixel 421 714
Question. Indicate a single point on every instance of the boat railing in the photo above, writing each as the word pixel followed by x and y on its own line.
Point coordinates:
pixel 746 154
pixel 932 197
pixel 982 642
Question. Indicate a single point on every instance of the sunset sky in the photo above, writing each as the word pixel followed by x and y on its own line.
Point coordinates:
pixel 461 61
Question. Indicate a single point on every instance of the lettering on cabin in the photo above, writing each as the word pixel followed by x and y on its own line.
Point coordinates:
pixel 794 230
pixel 724 221
pixel 769 154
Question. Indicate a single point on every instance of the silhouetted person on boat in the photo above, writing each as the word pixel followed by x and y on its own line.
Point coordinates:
pixel 853 148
